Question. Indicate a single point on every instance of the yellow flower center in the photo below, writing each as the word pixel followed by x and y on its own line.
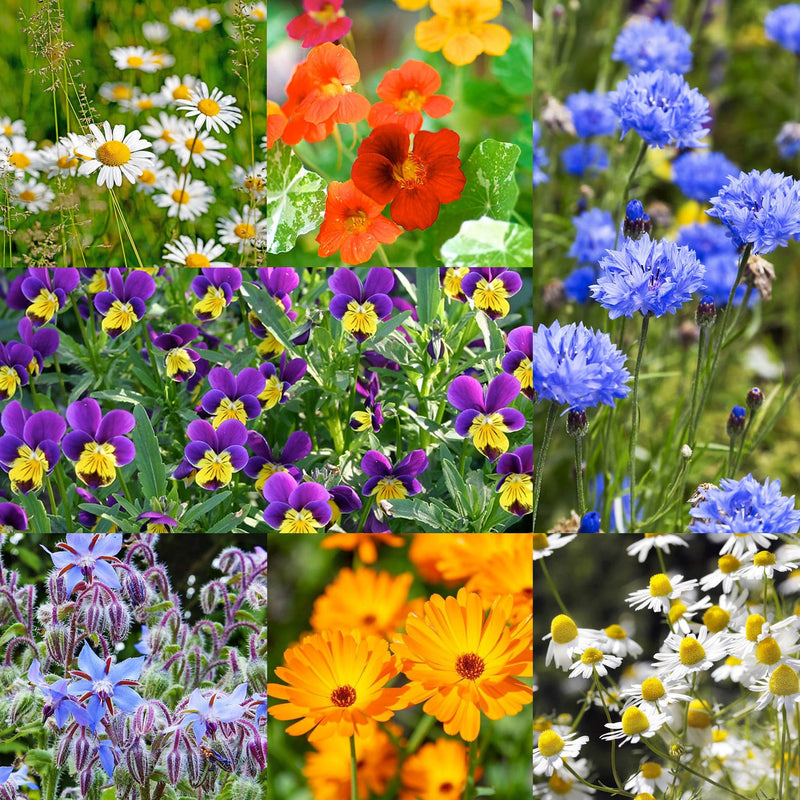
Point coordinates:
pixel 719 735
pixel 563 629
pixel 783 681
pixel 550 744
pixel 181 197
pixel 145 103
pixel 410 172
pixel 43 307
pixel 360 319
pixel 752 627
pixel 716 619
pixel 273 392
pixel 676 611
pixel 650 770
pixel 212 305
pixel 452 280
pixel 208 107
pixel 768 651
pixel 540 541
pixel 634 721
pixel 67 162
pixel 267 471
pixel 615 632
pixel 488 435
pixel 326 14
pixel 119 319
pixel 113 153
pixel 660 585
pixel 166 135
pixel 299 522
pixel 490 296
pixel 194 145
pixel 356 222
pixel 27 196
pixel 157 527
pixel 652 689
pixel 197 261
pixel 229 409
pixel 9 381
pixel 121 92
pixel 28 470
pixel 691 651
pixel 363 420
pixel 410 100
pixel 559 785
pixel 203 24
pixel 135 61
pixel 516 494
pixel 97 464
pixel 19 160
pixel 244 230
pixel 644 796
pixel 763 558
pixel 254 184
pixel 591 655
pixel 389 489
pixel 181 92
pixel 147 177
pixel 524 373
pixel 214 470
pixel 699 715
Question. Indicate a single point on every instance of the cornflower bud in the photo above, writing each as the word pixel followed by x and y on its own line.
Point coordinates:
pixel 686 452
pixel 636 222
pixel 577 424
pixel 590 523
pixel 735 425
pixel 706 312
pixel 755 399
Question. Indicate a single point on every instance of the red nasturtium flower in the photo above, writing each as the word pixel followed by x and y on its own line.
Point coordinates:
pixel 406 93
pixel 276 122
pixel 323 21
pixel 415 181
pixel 353 224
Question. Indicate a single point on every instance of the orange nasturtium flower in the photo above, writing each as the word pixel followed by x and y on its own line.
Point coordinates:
pixel 353 224
pixel 460 29
pixel 460 663
pixel 406 93
pixel 276 122
pixel 336 685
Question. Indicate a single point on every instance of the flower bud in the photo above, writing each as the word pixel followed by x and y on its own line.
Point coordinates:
pixel 86 781
pixel 436 344
pixel 257 752
pixel 64 746
pixel 119 622
pixel 135 588
pixel 590 523
pixel 706 312
pixel 246 789
pixel 174 764
pixel 83 750
pixel 56 639
pixel 577 424
pixel 138 760
pixel 686 452
pixel 257 675
pixel 755 399
pixel 57 589
pixel 636 222
pixel 736 420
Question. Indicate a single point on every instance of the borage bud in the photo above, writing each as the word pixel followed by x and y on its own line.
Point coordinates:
pixel 56 638
pixel 95 618
pixel 577 424
pixel 138 760
pixel 735 424
pixel 246 789
pixel 706 312
pixel 82 750
pixel 755 399
pixel 57 589
pixel 87 776
pixel 119 621
pixel 257 752
pixel 136 588
pixel 174 764
pixel 64 745
pixel 636 222
pixel 590 523
pixel 257 675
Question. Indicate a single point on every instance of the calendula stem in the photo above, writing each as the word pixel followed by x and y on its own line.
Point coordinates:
pixel 470 790
pixel 353 769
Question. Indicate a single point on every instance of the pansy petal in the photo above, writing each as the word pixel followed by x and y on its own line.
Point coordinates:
pixel 124 450
pixel 223 379
pixel 502 390
pixel 344 281
pixel 84 415
pixel 413 464
pixel 464 421
pixel 513 419
pixel 249 381
pixel 375 463
pixel 307 493
pixel 379 281
pixel 73 444
pixel 115 423
pixel 278 487
pixel 465 392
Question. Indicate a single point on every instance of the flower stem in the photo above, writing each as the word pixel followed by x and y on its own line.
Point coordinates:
pixel 538 467
pixel 469 793
pixel 626 190
pixel 353 769
pixel 579 475
pixel 635 420
pixel 62 489
pixel 552 586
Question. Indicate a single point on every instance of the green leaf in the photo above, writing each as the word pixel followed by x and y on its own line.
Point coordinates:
pixel 295 199
pixel 455 486
pixel 37 515
pixel 420 512
pixel 387 326
pixel 204 508
pixel 17 629
pixel 488 242
pixel 514 68
pixel 148 455
pixel 428 293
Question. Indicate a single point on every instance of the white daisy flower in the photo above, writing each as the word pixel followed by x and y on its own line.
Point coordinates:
pixel 204 19
pixel 729 613
pixel 551 750
pixel 193 253
pixel 654 695
pixel 565 639
pixel 182 17
pixel 660 594
pixel 162 131
pixel 141 101
pixel 256 12
pixel 634 725
pixel 163 60
pixel 764 564
pixel 615 640
pixel 9 127
pixel 60 158
pixel 133 58
pixel 115 154
pixel 781 689
pixel 32 194
pixel 650 778
pixel 199 146
pixel 661 541
pixel 684 655
pixel 252 180
pixel 155 32
pixel 244 230
pixel 116 92
pixel 184 197
pixel 544 544
pixel 565 786
pixel 215 110
pixel 738 544
pixel 154 177
pixel 593 660
pixel 19 155
pixel 176 88
pixel 725 574
pixel 792 583
pixel 755 629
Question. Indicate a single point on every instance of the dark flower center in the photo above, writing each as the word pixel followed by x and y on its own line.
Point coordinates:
pixel 343 696
pixel 470 666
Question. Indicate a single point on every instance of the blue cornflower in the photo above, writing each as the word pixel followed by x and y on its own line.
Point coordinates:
pixel 578 159
pixel 649 276
pixel 204 714
pixel 620 505
pixel 594 234
pixel 540 159
pixel 654 44
pixel 662 108
pixel 787 141
pixel 88 558
pixel 745 506
pixel 106 685
pixel 782 25
pixel 590 523
pixel 577 366
pixel 591 114
pixel 577 283
pixel 761 208
pixel 701 175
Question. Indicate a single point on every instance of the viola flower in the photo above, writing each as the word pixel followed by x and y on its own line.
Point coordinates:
pixel 460 662
pixel 516 485
pixel 15 358
pixel 115 154
pixel 335 684
pixel 343 501
pixel 210 108
pixel 13 519
pixel 43 342
pixel 233 396
pixel 29 446
pixel 417 181
pixel 267 462
pixel 87 559
pixel 353 224
pixel 39 295
pixel 392 483
pixel 124 305
pixel 322 21
pixel 372 416
pixel 360 307
pixel 406 93
pixel 450 279
pixel 460 29
pixel 97 444
pixel 179 361
pixel 215 288
pixel 278 381
pixel 293 507
pixel 216 453
pixel 488 288
pixel 204 714
pixel 519 357
pixel 87 518
pixel 486 416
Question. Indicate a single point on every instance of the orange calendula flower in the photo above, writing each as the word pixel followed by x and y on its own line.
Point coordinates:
pixel 437 771
pixel 406 93
pixel 336 685
pixel 353 224
pixel 461 663
pixel 276 122
pixel 365 543
pixel 460 29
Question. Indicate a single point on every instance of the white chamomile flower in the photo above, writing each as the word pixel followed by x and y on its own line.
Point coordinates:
pixel 162 131
pixel 544 544
pixel 654 695
pixel 660 594
pixel 615 640
pixel 792 583
pixel 661 541
pixel 153 178
pixel 184 197
pixel 201 147
pixel 115 154
pixel 212 108
pixel 634 725
pixel 163 60
pixel 684 655
pixel 780 689
pixel 756 629
pixel 155 32
pixel 256 12
pixel 32 194
pixel 552 749
pixel 564 785
pixel 60 158
pixel 680 615
pixel 133 58
pixel 726 574
pixel 193 253
pixel 650 778
pixel 182 17
pixel 116 92
pixel 252 180
pixel 243 231
pixel 19 155
pixel 565 639
pixel 142 101
pixel 9 127
pixel 593 660
pixel 738 544
pixel 764 564
pixel 732 669
pixel 699 721
pixel 204 19
pixel 176 88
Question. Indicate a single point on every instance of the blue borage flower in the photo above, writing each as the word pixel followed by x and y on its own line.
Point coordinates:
pixel 782 25
pixel 13 519
pixel 233 396
pixel 759 208
pixel 591 114
pixel 518 360
pixel 488 288
pixel 594 234
pixel 88 559
pixel 39 295
pixel 662 108
pixel 216 454
pixel 29 447
pixel 293 507
pixel 576 366
pixel 361 307
pixel 701 175
pixel 105 684
pixel 267 460
pixel 744 506
pixel 579 159
pixel 649 276
pixel 206 713
pixel 653 44
pixel 180 360
pixel 124 305
pixel 516 485
pixel 215 288
pixel 393 483
pixel 278 380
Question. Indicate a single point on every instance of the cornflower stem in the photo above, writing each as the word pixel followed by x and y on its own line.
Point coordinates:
pixel 62 490
pixel 702 349
pixel 731 450
pixel 635 418
pixel 353 769
pixel 538 467
pixel 579 475
pixel 552 586
pixel 469 792
pixel 741 442
pixel 626 190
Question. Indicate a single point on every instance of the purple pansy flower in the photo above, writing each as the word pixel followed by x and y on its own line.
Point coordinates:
pixel 216 454
pixel 293 507
pixel 343 501
pixel 516 485
pixel 486 417
pixel 156 522
pixel 14 360
pixel 105 684
pixel 204 714
pixel 215 288
pixel 372 416
pixel 43 342
pixel 124 305
pixel 277 381
pixel 360 307
pixel 97 444
pixel 519 357
pixel 488 288
pixel 88 559
pixel 233 396
pixel 180 359
pixel 391 483
pixel 279 282
pixel 450 279
pixel 266 463
pixel 39 295
pixel 13 519
pixel 29 448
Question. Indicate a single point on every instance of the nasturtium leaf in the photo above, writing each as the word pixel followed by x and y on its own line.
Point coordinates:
pixel 487 242
pixel 295 199
pixel 514 69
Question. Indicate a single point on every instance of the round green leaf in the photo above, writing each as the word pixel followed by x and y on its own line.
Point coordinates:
pixel 487 242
